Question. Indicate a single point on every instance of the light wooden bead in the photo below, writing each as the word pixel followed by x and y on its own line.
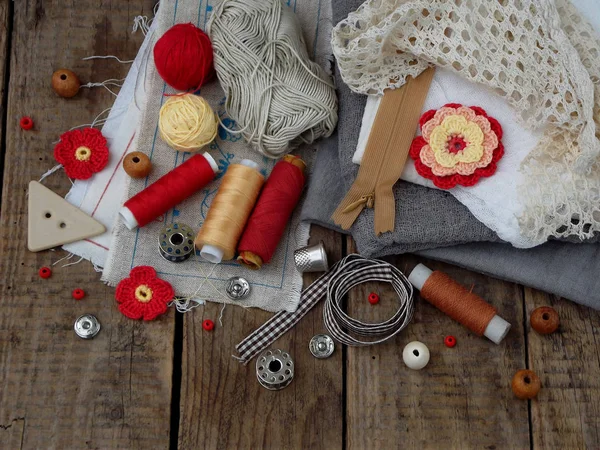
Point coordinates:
pixel 526 384
pixel 137 165
pixel 415 355
pixel 65 83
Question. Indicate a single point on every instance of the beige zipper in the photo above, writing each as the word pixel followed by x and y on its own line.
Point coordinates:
pixel 385 155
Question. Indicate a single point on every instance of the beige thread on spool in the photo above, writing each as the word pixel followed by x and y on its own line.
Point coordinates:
pixel 187 123
pixel 217 239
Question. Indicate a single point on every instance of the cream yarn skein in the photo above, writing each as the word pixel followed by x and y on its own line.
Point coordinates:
pixel 279 98
pixel 187 123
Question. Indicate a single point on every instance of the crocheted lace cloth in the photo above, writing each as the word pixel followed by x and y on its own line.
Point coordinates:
pixel 541 56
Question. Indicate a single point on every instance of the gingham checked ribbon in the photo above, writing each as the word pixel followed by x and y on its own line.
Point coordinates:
pixel 334 284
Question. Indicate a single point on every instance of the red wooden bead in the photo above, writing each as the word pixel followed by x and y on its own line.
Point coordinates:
pixel 45 272
pixel 449 341
pixel 26 123
pixel 373 298
pixel 208 325
pixel 78 294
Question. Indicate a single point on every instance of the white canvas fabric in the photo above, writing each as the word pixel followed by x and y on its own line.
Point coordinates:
pixel 494 201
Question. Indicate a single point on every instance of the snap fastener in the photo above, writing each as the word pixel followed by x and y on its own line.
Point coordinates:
pixel 321 346
pixel 415 355
pixel 237 288
pixel 87 326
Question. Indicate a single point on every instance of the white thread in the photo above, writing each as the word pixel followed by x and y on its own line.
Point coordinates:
pixel 49 172
pixel 221 315
pixel 110 82
pixel 69 256
pixel 87 58
pixel 73 263
pixel 276 94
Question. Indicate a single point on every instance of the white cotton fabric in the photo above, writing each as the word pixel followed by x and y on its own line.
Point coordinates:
pixel 102 195
pixel 494 201
pixel 540 56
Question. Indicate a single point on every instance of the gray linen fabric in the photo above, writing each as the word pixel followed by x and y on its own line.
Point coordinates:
pixel 428 218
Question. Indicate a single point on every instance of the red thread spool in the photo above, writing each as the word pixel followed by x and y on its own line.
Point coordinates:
pixel 460 304
pixel 184 57
pixel 168 191
pixel 275 205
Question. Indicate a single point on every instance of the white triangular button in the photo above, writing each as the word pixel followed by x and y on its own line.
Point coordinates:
pixel 54 221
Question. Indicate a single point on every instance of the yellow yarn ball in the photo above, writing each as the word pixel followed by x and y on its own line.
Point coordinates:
pixel 187 123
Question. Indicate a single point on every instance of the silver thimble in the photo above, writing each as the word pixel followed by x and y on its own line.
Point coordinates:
pixel 311 259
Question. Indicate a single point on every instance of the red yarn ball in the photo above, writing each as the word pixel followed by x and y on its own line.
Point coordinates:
pixel 184 57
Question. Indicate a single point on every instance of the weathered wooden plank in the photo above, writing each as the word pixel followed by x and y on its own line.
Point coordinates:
pixel 462 399
pixel 566 412
pixel 5 26
pixel 222 404
pixel 65 392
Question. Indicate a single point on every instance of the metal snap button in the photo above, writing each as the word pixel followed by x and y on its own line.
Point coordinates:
pixel 87 326
pixel 237 288
pixel 321 346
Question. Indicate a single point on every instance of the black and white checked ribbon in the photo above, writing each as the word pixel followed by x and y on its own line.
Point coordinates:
pixel 334 284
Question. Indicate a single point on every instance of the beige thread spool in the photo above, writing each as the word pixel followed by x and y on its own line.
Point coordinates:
pixel 217 239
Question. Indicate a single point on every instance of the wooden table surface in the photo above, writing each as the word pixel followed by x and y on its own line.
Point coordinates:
pixel 169 384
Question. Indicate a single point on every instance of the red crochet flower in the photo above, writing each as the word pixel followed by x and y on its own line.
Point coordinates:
pixel 82 152
pixel 143 295
pixel 459 145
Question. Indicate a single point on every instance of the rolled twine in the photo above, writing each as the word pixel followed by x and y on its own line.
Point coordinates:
pixel 187 123
pixel 276 94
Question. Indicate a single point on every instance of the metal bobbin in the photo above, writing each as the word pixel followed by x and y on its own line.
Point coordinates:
pixel 176 242
pixel 274 369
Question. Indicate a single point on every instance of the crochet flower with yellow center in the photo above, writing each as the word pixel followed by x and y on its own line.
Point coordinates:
pixel 459 145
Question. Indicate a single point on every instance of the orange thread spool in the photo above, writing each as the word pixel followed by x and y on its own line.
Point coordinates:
pixel 456 301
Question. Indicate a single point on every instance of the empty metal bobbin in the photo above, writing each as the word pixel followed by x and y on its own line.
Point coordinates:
pixel 87 326
pixel 321 346
pixel 237 288
pixel 274 369
pixel 176 242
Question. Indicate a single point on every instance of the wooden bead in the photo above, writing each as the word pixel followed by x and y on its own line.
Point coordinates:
pixel 526 384
pixel 65 83
pixel 137 165
pixel 544 320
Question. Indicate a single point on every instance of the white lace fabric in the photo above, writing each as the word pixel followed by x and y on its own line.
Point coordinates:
pixel 540 56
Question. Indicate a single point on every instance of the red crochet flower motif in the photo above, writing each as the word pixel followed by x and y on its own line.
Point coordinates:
pixel 459 145
pixel 143 295
pixel 82 152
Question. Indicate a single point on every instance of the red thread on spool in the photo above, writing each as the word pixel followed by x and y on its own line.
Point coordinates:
pixel 275 205
pixel 170 190
pixel 184 57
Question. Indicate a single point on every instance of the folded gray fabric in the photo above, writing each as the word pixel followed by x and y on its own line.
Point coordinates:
pixel 567 270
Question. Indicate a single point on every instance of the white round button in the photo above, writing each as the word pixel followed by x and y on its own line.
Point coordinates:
pixel 415 355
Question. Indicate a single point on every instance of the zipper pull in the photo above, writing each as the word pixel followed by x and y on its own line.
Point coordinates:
pixel 368 200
